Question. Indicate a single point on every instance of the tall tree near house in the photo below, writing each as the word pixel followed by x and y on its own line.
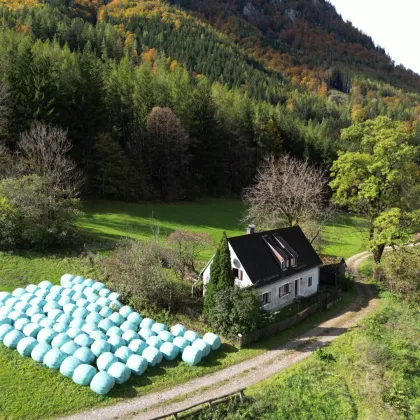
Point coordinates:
pixel 380 180
pixel 221 274
pixel 5 110
pixel 289 192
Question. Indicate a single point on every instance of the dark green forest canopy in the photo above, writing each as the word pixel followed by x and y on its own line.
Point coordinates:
pixel 104 79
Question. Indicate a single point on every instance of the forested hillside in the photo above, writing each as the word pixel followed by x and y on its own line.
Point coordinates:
pixel 163 104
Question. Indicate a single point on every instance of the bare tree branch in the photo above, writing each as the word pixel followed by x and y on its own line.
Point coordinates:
pixel 289 192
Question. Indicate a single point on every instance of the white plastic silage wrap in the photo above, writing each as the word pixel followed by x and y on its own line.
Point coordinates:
pixel 85 355
pixel 54 358
pixel 116 318
pixel 152 355
pixel 46 335
pixel 60 340
pixel 203 346
pixel 120 372
pixel 181 343
pixel 12 339
pixel 166 336
pixel 102 383
pixel 4 330
pixel 19 324
pixel 83 340
pixel 123 353
pixel 69 365
pixel 32 330
pixel 105 312
pixel 154 342
pixel 116 342
pixel 137 346
pixel 105 325
pixel 69 348
pixel 98 335
pixel 99 347
pixel 137 364
pixel 191 336
pixel 66 280
pixel 129 336
pixel 84 374
pixel 169 351
pixel 105 360
pixel 146 333
pixel 158 327
pixel 26 345
pixel 115 331
pixel 135 318
pixel 39 351
pixel 60 327
pixel 147 323
pixel 192 355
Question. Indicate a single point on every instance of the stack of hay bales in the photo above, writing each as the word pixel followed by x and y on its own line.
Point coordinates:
pixel 83 330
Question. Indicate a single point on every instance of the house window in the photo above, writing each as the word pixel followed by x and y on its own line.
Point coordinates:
pixel 309 281
pixel 265 298
pixel 284 290
pixel 237 273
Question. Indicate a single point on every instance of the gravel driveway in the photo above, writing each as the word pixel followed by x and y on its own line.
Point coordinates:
pixel 248 372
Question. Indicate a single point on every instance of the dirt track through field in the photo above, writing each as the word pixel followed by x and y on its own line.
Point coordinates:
pixel 246 373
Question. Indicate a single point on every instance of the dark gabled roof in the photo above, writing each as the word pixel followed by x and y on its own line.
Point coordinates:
pixel 260 263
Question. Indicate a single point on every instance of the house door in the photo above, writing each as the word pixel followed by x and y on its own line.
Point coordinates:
pixel 296 287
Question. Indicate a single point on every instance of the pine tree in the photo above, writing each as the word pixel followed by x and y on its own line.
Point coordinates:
pixel 221 274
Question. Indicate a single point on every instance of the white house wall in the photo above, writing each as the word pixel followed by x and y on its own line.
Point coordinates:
pixel 278 302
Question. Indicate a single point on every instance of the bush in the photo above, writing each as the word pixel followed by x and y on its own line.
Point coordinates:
pixel 234 311
pixel 33 213
pixel 137 271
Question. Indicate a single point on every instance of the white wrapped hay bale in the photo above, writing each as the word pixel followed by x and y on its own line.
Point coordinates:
pixel 39 351
pixel 105 302
pixel 84 374
pixel 22 306
pixel 45 284
pixel 102 383
pixel 42 293
pixel 50 306
pixel 77 296
pixel 7 320
pixel 65 318
pixel 54 358
pixel 32 330
pixel 154 342
pixel 192 355
pixel 77 323
pixel 46 322
pixel 169 351
pixel 98 286
pixel 73 332
pixel 137 364
pixel 92 298
pixel 129 336
pixel 37 318
pixel 15 315
pixel 213 340
pixel 68 293
pixel 69 308
pixel 100 347
pixel 117 318
pixel 67 280
pixel 94 318
pixel 115 331
pixel 120 372
pixel 64 300
pixel 19 324
pixel 116 305
pixel 181 343
pixel 11 302
pixel 159 327
pixel 116 342
pixel 78 280
pixel 152 355
pixel 123 353
pixel 69 365
pixel 54 314
pixel 89 327
pixel 12 339
pixel 166 336
pixel 26 345
pixel 53 297
pixel 98 335
pixel 85 355
pixel 147 323
pixel 203 346
pixel 88 283
pixel 32 288
pixel 191 336
pixel 17 293
pixel 146 333
pixel 38 301
pixel 60 327
pixel 114 296
pixel 125 311
pixel 70 348
pixel 128 326
pixel 104 292
pixel 105 360
pixel 105 312
pixel 83 340
pixel 135 318
pixel 27 297
pixel 5 310
pixel 4 330
pixel 137 346
pixel 105 325
pixel 94 307
pixel 59 340
pixel 57 290
pixel 82 303
pixel 46 335
pixel 80 313
pixel 6 295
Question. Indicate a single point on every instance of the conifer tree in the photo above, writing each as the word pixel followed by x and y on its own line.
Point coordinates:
pixel 221 274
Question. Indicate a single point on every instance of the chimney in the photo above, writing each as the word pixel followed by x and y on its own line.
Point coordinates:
pixel 250 229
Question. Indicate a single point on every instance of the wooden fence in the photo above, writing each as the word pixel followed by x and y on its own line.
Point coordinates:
pixel 323 302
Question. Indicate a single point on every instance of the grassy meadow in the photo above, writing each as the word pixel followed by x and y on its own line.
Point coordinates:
pixel 31 391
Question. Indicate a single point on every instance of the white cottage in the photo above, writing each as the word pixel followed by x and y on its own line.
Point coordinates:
pixel 281 264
